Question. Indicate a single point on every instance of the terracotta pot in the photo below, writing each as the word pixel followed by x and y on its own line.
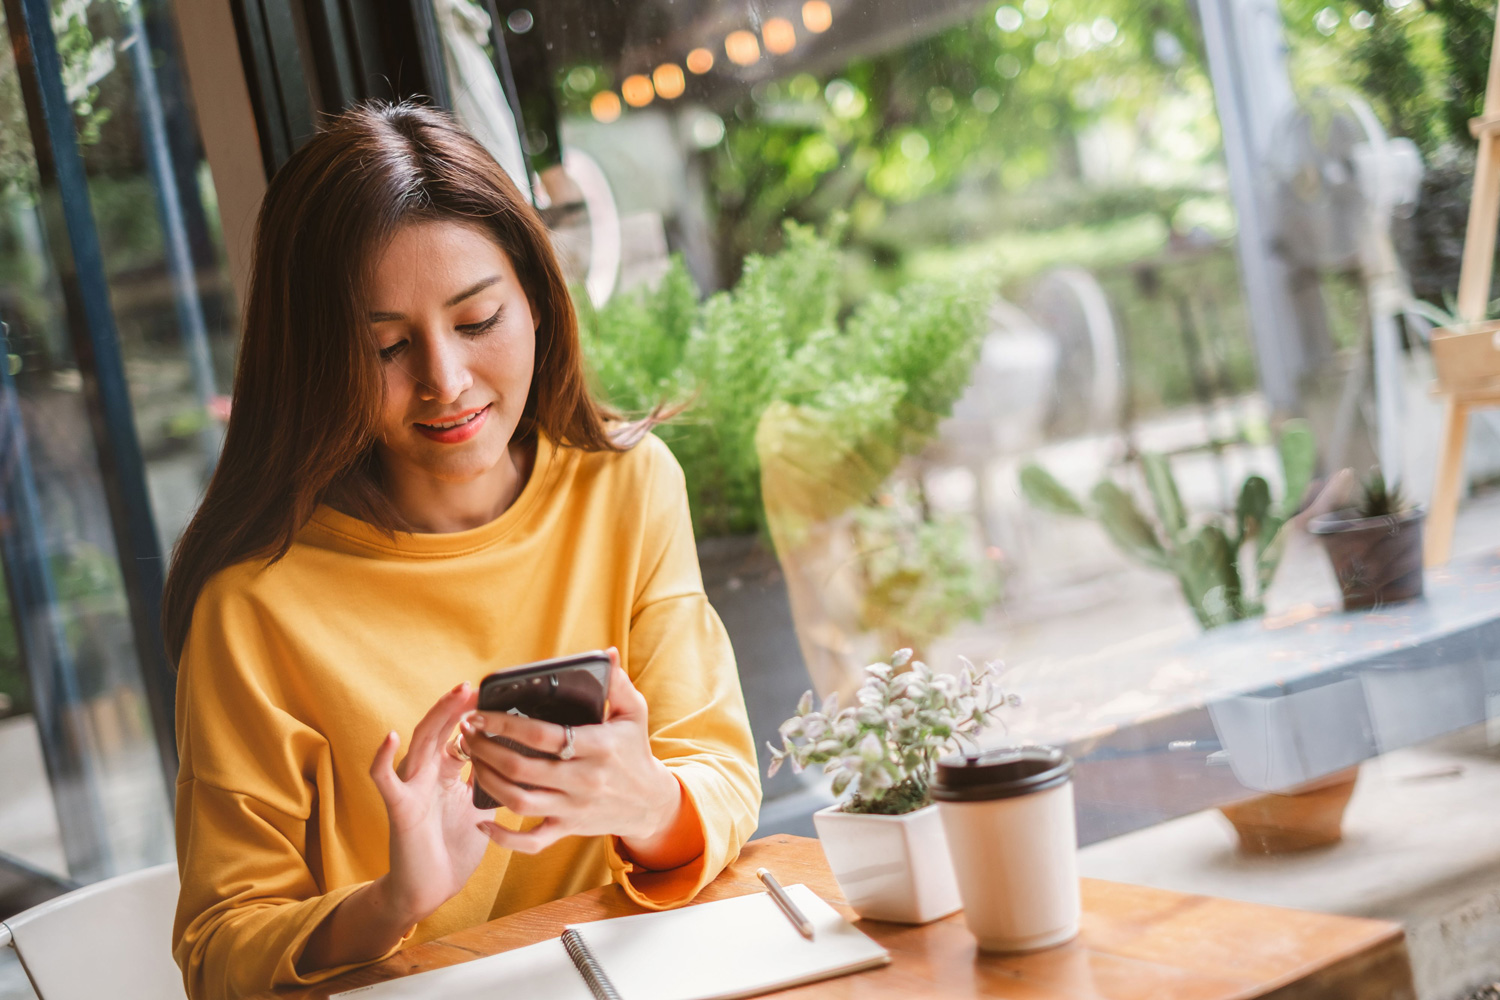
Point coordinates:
pixel 894 868
pixel 1378 560
pixel 1278 823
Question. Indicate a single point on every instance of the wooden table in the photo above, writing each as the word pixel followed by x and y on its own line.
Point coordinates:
pixel 1136 944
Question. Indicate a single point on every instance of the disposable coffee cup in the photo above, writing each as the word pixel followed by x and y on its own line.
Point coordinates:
pixel 1008 816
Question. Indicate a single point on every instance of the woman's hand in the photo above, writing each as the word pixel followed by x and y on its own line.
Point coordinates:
pixel 613 785
pixel 434 844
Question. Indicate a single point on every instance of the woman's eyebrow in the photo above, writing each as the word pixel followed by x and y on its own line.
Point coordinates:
pixel 474 289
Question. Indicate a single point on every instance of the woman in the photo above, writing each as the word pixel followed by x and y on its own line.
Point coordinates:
pixel 415 490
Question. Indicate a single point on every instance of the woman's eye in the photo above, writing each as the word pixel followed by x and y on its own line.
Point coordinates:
pixel 474 329
pixel 387 353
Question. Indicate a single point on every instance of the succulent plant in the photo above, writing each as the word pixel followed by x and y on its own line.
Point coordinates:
pixel 1378 499
pixel 882 750
pixel 1210 556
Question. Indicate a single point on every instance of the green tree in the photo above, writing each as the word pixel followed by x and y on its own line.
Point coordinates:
pixel 1422 63
pixel 992 103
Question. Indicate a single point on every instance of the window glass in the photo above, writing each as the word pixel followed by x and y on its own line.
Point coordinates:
pixel 962 295
pixel 86 795
pixel 156 213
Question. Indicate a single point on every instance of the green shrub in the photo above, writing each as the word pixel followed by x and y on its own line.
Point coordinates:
pixel 874 386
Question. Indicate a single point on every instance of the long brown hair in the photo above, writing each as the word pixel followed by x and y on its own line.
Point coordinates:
pixel 308 386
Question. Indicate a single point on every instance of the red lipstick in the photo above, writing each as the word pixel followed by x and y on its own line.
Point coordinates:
pixel 456 433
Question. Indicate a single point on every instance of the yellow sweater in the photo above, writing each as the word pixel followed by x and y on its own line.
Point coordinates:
pixel 292 674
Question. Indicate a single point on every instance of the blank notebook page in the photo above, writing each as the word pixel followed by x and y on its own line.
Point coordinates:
pixel 736 947
pixel 537 972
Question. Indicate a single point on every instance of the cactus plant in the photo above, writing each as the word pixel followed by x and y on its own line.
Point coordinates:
pixel 1213 557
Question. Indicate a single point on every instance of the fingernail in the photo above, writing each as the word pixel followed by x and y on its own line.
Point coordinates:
pixel 477 721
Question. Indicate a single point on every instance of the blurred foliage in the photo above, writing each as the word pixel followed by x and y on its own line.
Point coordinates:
pixel 875 385
pixel 1224 563
pixel 15 688
pixel 86 58
pixel 1083 132
pixel 1422 63
pixel 87 588
pixel 923 575
pixel 991 105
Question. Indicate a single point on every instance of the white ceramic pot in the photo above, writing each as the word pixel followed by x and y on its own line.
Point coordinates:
pixel 1014 840
pixel 892 868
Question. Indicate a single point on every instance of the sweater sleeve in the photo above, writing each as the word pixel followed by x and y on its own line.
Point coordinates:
pixel 680 659
pixel 246 801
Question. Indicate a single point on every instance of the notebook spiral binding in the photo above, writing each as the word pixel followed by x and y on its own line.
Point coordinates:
pixel 588 967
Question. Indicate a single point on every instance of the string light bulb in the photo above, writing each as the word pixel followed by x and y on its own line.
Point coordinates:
pixel 669 81
pixel 779 35
pixel 700 61
pixel 817 16
pixel 637 90
pixel 741 48
pixel 605 106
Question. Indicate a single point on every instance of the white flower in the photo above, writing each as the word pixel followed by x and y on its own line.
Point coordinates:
pixel 870 748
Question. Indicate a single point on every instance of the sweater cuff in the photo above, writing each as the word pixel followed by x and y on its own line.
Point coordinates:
pixel 286 968
pixel 662 890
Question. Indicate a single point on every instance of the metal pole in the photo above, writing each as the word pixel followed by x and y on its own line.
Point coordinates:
pixel 1247 65
pixel 189 308
pixel 67 744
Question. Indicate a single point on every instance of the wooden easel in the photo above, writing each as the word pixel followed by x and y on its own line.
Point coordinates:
pixel 1473 302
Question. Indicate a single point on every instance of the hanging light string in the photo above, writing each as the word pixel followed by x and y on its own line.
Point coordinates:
pixel 777 34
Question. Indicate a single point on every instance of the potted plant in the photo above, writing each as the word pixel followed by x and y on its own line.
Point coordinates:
pixel 1208 555
pixel 884 840
pixel 869 387
pixel 1224 565
pixel 1376 547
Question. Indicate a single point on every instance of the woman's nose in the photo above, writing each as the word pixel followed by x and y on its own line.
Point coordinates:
pixel 443 374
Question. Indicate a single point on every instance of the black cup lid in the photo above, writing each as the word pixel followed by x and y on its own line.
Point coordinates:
pixel 1000 774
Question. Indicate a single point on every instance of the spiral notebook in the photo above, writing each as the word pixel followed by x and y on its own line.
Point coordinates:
pixel 731 948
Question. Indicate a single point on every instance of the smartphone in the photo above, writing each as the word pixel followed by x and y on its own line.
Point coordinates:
pixel 566 690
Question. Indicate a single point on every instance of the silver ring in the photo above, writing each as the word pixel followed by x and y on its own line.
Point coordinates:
pixel 567 752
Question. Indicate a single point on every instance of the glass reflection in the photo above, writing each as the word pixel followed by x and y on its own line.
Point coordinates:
pixel 69 675
pixel 1065 163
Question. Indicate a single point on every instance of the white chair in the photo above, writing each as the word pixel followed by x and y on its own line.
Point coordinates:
pixel 110 939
